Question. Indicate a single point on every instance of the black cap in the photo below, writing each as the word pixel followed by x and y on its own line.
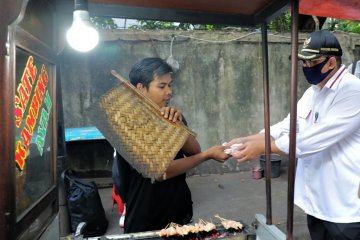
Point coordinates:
pixel 320 43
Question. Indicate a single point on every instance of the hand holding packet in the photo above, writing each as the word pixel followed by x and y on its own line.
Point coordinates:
pixel 233 148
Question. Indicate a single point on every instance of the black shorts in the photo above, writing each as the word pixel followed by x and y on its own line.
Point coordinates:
pixel 324 230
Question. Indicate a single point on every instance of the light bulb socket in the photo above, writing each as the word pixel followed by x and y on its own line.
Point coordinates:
pixel 80 5
pixel 81 15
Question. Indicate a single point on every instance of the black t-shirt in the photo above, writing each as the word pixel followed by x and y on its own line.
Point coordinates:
pixel 152 206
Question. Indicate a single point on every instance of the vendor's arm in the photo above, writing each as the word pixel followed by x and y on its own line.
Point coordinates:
pixel 191 149
pixel 180 166
pixel 250 147
pixel 333 124
pixel 191 146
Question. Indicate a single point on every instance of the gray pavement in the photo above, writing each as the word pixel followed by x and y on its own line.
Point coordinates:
pixel 234 196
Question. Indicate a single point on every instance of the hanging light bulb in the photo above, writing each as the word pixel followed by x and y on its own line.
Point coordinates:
pixel 82 36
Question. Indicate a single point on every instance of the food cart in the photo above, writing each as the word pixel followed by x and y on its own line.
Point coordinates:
pixel 31 130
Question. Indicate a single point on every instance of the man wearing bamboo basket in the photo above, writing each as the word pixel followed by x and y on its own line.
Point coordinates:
pixel 153 205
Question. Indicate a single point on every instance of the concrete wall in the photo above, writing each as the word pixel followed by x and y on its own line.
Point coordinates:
pixel 218 86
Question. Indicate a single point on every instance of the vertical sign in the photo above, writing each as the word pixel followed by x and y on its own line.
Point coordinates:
pixel 33 120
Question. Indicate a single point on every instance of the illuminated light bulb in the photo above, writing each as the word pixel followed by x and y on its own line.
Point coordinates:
pixel 82 36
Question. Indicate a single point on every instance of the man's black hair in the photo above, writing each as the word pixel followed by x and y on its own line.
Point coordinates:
pixel 147 69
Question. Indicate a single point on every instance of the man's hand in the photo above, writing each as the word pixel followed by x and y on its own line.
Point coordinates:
pixel 217 153
pixel 249 147
pixel 171 114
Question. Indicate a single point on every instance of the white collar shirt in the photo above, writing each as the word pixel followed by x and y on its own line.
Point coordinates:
pixel 327 148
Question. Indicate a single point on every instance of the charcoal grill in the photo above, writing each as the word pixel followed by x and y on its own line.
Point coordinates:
pixel 247 233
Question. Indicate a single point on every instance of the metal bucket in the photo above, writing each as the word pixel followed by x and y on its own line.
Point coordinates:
pixel 275 165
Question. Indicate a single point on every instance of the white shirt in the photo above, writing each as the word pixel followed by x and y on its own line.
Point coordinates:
pixel 328 149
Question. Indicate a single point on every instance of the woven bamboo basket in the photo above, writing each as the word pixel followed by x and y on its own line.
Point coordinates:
pixel 134 126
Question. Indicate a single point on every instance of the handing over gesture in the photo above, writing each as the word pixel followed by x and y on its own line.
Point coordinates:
pixel 250 147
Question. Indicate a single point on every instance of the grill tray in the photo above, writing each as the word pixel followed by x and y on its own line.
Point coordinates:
pixel 247 233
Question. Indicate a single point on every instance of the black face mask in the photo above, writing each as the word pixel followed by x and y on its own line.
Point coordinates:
pixel 313 74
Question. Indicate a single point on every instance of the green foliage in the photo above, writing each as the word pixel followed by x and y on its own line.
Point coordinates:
pixel 156 25
pixel 211 27
pixel 185 26
pixel 281 23
pixel 159 25
pixel 345 25
pixel 103 23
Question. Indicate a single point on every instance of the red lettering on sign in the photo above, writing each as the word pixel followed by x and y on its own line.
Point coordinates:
pixel 24 96
pixel 24 90
pixel 31 69
pixel 20 155
pixel 26 137
pixel 44 74
pixel 40 88
pixel 19 112
pixel 31 120
pixel 27 94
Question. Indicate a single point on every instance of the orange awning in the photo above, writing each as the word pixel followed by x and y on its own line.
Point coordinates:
pixel 341 9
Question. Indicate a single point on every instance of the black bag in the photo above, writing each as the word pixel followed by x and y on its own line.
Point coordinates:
pixel 84 205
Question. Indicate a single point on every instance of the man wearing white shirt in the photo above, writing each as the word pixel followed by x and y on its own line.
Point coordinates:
pixel 327 182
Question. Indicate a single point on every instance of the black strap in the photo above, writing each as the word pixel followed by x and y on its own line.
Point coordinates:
pixel 68 175
pixel 353 67
pixel 86 187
